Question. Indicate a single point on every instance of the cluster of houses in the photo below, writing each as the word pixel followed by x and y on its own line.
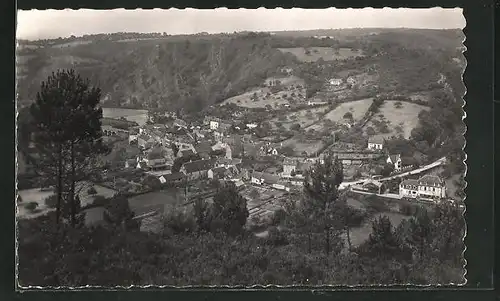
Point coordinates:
pixel 178 151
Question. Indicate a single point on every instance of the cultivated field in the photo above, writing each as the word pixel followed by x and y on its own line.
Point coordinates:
pixel 313 54
pixel 304 117
pixel 264 95
pixel 400 120
pixel 357 108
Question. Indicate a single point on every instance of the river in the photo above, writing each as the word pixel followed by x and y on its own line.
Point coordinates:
pixel 139 116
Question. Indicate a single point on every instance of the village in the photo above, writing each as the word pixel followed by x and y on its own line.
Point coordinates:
pixel 176 153
pixel 249 146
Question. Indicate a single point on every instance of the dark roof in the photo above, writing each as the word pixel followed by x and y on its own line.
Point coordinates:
pixel 187 152
pixel 430 180
pixel 173 176
pixel 156 153
pixel 203 147
pixel 198 165
pixel 219 170
pixel 373 182
pixel 394 158
pixel 377 140
pixel 180 122
pixel 288 161
pixel 268 178
pixel 410 182
pixel 143 137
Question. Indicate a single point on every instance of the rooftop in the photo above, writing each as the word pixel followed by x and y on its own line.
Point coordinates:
pixel 410 182
pixel 267 177
pixel 377 140
pixel 199 165
pixel 430 180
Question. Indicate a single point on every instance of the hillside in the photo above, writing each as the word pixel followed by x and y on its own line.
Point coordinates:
pixel 161 71
pixel 158 73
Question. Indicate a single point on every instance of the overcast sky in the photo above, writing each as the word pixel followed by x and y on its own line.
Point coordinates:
pixel 38 24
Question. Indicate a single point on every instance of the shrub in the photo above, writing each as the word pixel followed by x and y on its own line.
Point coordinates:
pixel 92 190
pixel 278 217
pixel 408 209
pixel 348 115
pixel 99 200
pixel 375 204
pixel 277 237
pixel 31 206
pixel 51 201
pixel 356 217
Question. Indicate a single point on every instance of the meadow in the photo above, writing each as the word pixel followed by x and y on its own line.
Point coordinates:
pixel 313 54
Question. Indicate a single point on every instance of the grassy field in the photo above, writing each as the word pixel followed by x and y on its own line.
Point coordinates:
pixel 326 53
pixel 266 97
pixel 357 108
pixel 39 196
pixel 71 44
pixel 304 117
pixel 400 120
pixel 86 198
pixel 311 147
pixel 166 200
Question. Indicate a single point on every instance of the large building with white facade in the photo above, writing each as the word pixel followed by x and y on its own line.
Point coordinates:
pixel 428 186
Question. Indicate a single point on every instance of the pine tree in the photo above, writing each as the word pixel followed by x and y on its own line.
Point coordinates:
pixel 321 187
pixel 230 209
pixel 67 122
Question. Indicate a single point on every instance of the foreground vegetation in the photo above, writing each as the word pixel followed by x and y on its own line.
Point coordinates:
pixel 210 244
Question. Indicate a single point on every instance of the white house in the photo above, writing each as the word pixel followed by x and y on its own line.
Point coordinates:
pixel 375 143
pixel 289 167
pixel 335 81
pixel 132 137
pixel 428 186
pixel 281 186
pixel 395 160
pixel 214 124
pixel 251 125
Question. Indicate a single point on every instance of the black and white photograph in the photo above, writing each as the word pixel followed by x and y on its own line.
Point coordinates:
pixel 251 148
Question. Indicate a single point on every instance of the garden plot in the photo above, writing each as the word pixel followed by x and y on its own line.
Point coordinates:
pixel 357 109
pixel 291 90
pixel 399 117
pixel 304 147
pixel 313 54
pixel 304 118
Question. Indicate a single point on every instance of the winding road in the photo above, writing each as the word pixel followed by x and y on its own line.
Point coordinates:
pixel 432 165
